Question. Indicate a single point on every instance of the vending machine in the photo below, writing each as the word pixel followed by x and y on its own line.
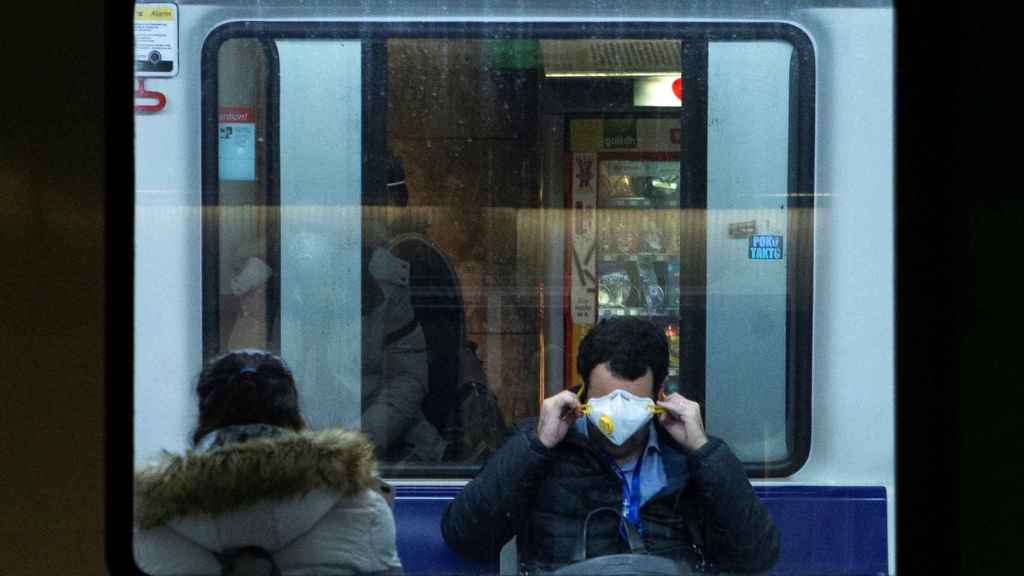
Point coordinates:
pixel 623 223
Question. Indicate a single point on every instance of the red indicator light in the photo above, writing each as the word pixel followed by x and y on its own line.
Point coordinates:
pixel 677 88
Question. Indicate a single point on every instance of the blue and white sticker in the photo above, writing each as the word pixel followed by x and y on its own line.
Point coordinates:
pixel 765 247
pixel 237 151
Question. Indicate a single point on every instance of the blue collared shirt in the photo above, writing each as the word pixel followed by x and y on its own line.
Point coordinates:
pixel 652 468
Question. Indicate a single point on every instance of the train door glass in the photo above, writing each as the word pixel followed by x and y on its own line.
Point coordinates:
pixel 753 235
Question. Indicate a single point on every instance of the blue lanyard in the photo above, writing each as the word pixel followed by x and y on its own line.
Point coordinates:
pixel 630 494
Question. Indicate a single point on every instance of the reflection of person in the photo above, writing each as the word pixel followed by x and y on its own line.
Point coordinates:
pixel 684 491
pixel 394 364
pixel 475 283
pixel 249 285
pixel 395 372
pixel 259 487
pixel 393 355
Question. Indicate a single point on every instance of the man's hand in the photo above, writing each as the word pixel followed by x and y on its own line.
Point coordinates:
pixel 682 420
pixel 557 414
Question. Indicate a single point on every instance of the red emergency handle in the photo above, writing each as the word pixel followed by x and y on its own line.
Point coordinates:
pixel 141 92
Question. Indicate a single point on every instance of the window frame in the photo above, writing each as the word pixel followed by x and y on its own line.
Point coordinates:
pixel 695 37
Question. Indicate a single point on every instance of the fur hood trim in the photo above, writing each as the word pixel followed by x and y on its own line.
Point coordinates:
pixel 237 475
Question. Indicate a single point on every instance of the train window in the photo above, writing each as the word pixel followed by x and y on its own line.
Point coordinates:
pixel 424 221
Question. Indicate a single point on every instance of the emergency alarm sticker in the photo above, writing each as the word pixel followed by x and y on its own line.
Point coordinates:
pixel 156 40
pixel 237 143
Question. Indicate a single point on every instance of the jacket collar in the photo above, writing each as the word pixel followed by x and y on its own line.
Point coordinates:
pixel 236 434
pixel 235 474
pixel 677 472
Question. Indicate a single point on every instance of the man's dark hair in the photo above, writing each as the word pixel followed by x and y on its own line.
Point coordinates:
pixel 246 387
pixel 629 345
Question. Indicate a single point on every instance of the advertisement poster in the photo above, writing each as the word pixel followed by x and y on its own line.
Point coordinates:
pixel 584 260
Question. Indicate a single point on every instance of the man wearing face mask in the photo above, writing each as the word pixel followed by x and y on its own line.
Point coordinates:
pixel 620 444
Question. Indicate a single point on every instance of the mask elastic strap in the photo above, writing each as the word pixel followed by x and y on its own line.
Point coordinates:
pixel 654 408
pixel 584 407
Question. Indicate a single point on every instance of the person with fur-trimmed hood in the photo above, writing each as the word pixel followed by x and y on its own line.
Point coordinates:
pixel 259 487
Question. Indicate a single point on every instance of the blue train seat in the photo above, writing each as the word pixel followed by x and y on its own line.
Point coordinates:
pixel 823 530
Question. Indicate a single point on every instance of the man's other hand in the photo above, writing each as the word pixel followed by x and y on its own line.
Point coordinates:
pixel 682 420
pixel 557 414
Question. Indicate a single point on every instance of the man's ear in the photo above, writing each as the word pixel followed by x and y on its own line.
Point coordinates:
pixel 659 390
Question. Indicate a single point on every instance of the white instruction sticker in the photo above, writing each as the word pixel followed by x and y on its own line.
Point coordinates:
pixel 156 39
pixel 237 149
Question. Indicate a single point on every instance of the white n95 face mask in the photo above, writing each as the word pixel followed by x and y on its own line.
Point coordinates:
pixel 620 414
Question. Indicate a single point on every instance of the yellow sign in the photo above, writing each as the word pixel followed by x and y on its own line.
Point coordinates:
pixel 153 13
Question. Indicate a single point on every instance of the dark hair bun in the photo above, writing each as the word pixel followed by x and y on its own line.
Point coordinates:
pixel 246 387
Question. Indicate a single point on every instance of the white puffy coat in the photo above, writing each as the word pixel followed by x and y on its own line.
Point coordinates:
pixel 311 499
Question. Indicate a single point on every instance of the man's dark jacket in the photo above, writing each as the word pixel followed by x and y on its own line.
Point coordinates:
pixel 708 515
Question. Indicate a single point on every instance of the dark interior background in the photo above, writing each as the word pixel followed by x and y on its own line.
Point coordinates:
pixel 53 157
pixel 65 182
